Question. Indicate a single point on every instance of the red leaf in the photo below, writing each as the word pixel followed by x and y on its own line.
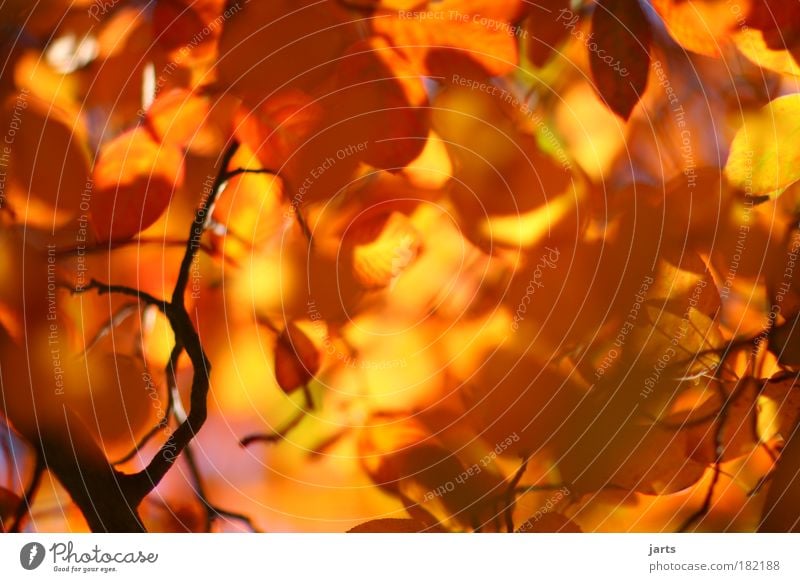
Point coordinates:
pixel 186 24
pixel 782 505
pixel 9 501
pixel 546 27
pixel 390 525
pixel 779 21
pixel 619 53
pixel 296 359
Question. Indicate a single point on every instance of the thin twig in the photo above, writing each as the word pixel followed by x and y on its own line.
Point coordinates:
pixel 240 171
pixel 719 452
pixel 124 312
pixel 274 437
pixel 163 242
pixel 106 289
pixel 186 335
pixel 511 495
pixel 109 498
pixel 706 506
pixel 212 511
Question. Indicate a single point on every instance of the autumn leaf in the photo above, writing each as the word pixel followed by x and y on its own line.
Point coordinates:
pixel 782 505
pixel 733 423
pixel 702 26
pixel 432 168
pixel 9 503
pixel 500 168
pixel 186 120
pixel 513 265
pixel 753 46
pixel 135 178
pixel 381 103
pixel 783 341
pixel 393 525
pixel 620 54
pixel 297 360
pixel 113 395
pixel 764 159
pixel 278 126
pixel 440 47
pixel 779 22
pixel 47 158
pixel 483 10
pixel 681 329
pixel 184 24
pixel 547 26
pixel 125 46
pixel 281 44
pixel 779 407
pixel 379 261
pixel 513 395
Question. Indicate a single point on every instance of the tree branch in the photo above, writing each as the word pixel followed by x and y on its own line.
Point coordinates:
pixel 201 218
pixel 105 289
pixel 108 498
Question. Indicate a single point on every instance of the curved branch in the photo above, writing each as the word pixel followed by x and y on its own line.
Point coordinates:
pixel 108 498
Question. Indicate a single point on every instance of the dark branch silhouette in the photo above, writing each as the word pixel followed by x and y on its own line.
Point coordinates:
pixel 107 497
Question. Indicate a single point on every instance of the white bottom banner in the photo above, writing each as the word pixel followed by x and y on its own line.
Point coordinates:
pixel 401 557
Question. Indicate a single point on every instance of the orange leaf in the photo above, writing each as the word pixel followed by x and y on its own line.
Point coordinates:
pixel 432 168
pixel 511 395
pixel 134 177
pixel 439 45
pixel 701 26
pixel 267 46
pixel 379 260
pixel 500 168
pixel 47 158
pixel 483 10
pixel 114 395
pixel 183 119
pixel 278 127
pixel 297 360
pixel 381 102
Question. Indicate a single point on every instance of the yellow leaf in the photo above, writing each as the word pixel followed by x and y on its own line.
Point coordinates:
pixel 764 157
